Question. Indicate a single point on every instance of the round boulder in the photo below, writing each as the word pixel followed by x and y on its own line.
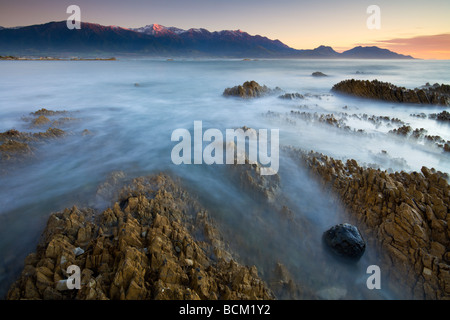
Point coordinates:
pixel 345 241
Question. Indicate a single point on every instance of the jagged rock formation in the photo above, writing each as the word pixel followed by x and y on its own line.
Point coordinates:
pixel 443 116
pixel 47 113
pixel 291 96
pixel 421 134
pixel 156 242
pixel 15 151
pixel 338 120
pixel 250 89
pixel 17 147
pixel 439 95
pixel 250 179
pixel 405 214
pixel 28 137
pixel 40 121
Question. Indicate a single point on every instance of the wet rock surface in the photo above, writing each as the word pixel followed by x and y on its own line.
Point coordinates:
pixel 250 178
pixel 47 113
pixel 292 96
pixel 443 116
pixel 281 279
pixel 12 150
pixel 437 94
pixel 279 223
pixel 406 215
pixel 136 207
pixel 338 120
pixel 420 135
pixel 341 120
pixel 319 74
pixel 249 89
pixel 40 121
pixel 19 147
pixel 345 241
pixel 156 242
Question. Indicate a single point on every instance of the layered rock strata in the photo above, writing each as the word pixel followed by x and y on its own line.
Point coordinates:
pixel 406 215
pixel 437 94
pixel 156 242
pixel 249 89
pixel 18 147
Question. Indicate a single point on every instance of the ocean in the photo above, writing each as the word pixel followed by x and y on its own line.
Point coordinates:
pixel 132 106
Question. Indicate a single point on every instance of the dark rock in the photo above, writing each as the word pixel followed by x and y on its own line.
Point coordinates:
pixel 15 150
pixel 404 214
pixel 291 96
pixel 345 240
pixel 421 135
pixel 419 115
pixel 250 89
pixel 18 147
pixel 40 121
pixel 436 94
pixel 443 116
pixel 45 112
pixel 403 130
pixel 319 74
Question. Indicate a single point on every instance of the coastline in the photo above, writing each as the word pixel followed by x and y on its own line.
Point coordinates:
pixel 14 58
pixel 403 214
pixel 390 211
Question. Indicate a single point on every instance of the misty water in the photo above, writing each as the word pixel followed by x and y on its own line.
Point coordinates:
pixel 131 107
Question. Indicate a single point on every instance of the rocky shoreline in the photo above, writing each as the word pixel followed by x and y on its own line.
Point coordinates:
pixel 249 89
pixel 156 242
pixel 436 94
pixel 15 58
pixel 339 121
pixel 428 94
pixel 43 126
pixel 406 216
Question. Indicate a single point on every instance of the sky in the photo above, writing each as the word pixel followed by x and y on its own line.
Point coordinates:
pixel 415 27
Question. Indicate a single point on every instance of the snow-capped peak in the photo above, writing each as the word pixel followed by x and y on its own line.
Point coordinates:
pixel 155 29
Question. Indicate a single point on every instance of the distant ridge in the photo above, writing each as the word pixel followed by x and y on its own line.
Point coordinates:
pixel 371 53
pixel 54 38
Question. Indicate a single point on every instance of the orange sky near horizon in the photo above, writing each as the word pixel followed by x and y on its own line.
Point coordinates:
pixel 428 47
pixel 423 47
pixel 417 28
pixel 431 47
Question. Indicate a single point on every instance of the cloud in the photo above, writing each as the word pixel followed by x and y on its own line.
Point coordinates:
pixel 425 47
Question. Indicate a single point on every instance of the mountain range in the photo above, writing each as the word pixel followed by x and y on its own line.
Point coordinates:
pixel 54 38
